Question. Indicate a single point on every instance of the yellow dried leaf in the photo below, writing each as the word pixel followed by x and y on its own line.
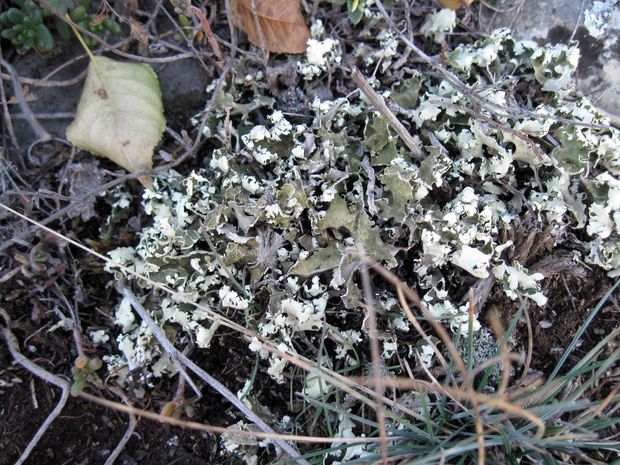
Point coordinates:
pixel 120 115
pixel 279 22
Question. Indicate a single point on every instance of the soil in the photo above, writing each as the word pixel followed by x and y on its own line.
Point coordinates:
pixel 571 299
pixel 85 433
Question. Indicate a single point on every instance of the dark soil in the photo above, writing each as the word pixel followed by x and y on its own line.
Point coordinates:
pixel 571 299
pixel 86 433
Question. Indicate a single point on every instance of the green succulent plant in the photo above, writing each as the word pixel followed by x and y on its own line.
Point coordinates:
pixel 24 27
pixel 27 25
pixel 355 9
pixel 85 371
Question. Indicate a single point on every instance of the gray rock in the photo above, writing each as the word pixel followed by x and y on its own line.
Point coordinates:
pixel 595 24
pixel 48 102
pixel 183 84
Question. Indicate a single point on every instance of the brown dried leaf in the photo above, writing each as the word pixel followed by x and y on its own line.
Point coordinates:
pixel 455 4
pixel 279 22
pixel 139 32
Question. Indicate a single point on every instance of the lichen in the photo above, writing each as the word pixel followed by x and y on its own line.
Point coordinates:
pixel 270 233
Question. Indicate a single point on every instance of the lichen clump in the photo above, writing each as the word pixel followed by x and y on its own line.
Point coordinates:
pixel 269 234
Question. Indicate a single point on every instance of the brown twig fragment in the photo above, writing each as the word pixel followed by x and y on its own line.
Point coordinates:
pixel 377 101
pixel 219 59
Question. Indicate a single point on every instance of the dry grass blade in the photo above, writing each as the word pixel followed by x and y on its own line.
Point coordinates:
pixel 377 377
pixel 275 25
pixel 415 298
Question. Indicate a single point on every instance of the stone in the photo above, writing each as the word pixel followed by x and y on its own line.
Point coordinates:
pixel 594 24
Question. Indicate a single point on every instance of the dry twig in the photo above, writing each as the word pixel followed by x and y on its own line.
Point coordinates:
pixel 219 59
pixel 377 376
pixel 64 385
pixel 133 422
pixel 379 104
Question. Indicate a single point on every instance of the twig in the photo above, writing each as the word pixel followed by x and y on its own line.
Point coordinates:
pixel 109 185
pixel 412 319
pixel 219 59
pixel 530 344
pixel 113 48
pixel 39 130
pixel 581 8
pixel 515 15
pixel 60 382
pixel 13 346
pixel 161 337
pixel 5 112
pixel 206 377
pixel 458 84
pixel 232 31
pixel 44 82
pixel 64 396
pixel 133 422
pixel 222 430
pixel 413 296
pixel 370 187
pixel 303 362
pixel 173 45
pixel 377 101
pixel 59 115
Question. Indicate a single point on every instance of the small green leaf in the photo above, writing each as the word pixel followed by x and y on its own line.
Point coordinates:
pixel 43 40
pixel 79 381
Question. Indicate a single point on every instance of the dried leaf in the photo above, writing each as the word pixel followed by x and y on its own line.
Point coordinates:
pixel 455 4
pixel 279 22
pixel 139 32
pixel 120 114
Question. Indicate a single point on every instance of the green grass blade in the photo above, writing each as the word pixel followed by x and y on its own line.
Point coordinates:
pixel 581 330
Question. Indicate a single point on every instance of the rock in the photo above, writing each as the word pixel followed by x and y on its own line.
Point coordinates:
pixel 183 84
pixel 595 24
pixel 48 101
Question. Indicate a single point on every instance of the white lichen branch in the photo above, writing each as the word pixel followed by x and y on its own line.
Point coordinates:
pixel 206 377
